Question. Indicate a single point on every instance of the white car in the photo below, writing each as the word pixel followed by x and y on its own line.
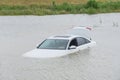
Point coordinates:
pixel 73 41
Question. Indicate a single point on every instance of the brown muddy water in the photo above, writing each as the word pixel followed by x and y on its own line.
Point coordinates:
pixel 19 34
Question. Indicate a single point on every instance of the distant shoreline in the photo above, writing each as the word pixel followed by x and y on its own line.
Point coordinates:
pixel 90 7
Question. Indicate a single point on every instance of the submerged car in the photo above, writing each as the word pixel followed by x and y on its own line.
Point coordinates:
pixel 73 41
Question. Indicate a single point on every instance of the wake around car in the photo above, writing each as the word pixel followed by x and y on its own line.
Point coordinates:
pixel 73 41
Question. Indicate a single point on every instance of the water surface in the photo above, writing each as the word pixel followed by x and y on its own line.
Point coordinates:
pixel 19 34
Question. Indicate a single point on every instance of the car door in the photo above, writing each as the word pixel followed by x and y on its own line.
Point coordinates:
pixel 73 42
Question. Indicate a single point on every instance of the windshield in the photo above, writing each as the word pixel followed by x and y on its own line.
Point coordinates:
pixel 59 44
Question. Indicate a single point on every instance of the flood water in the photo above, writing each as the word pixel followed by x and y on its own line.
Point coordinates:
pixel 20 34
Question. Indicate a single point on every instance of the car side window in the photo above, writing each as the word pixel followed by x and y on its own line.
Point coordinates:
pixel 87 41
pixel 81 41
pixel 73 42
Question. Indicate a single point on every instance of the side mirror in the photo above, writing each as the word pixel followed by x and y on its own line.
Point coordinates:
pixel 72 47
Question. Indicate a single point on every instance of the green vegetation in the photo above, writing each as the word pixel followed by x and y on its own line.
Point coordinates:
pixel 90 7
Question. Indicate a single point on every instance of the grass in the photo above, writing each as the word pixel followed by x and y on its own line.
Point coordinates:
pixel 48 7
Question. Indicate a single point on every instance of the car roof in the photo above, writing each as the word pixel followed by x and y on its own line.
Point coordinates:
pixel 73 33
pixel 67 37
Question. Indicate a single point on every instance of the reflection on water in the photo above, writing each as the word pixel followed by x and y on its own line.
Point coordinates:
pixel 21 34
